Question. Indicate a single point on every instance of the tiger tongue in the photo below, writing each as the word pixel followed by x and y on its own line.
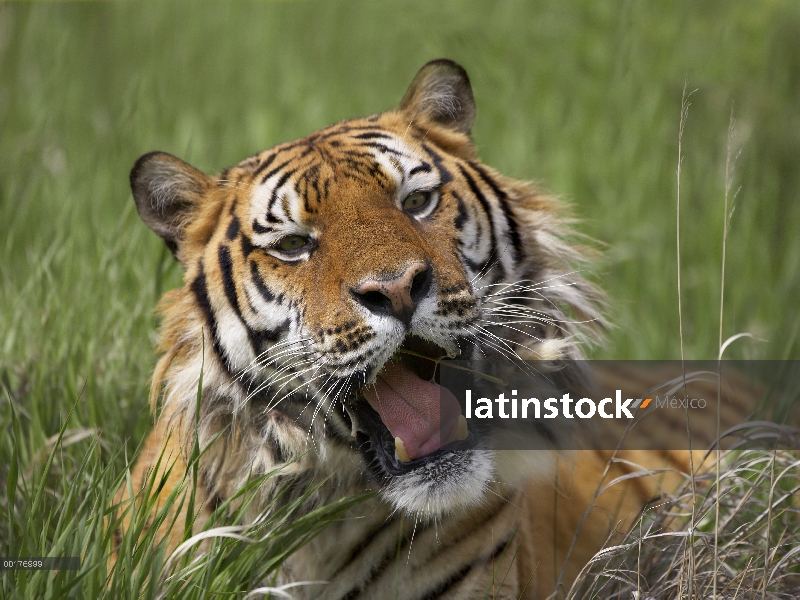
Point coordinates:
pixel 416 411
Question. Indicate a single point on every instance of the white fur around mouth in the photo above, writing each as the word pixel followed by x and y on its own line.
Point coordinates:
pixel 454 482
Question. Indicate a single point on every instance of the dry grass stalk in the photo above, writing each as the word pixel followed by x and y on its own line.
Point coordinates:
pixel 746 543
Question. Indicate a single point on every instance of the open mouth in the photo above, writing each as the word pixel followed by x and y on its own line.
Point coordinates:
pixel 411 420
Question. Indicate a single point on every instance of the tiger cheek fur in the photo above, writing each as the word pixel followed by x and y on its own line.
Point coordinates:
pixel 308 267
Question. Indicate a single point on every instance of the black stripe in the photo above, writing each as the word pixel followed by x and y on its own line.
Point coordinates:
pixel 353 154
pixel 486 209
pixel 233 229
pixel 326 189
pixel 372 135
pixel 473 266
pixel 309 149
pixel 262 288
pixel 200 291
pixel 423 168
pixel 277 187
pixel 458 222
pixel 354 175
pixel 513 229
pixel 345 127
pixel 364 545
pixel 451 582
pixel 383 148
pixel 309 178
pixel 256 338
pixel 259 228
pixel 386 558
pixel 199 288
pixel 501 547
pixel 247 246
pixel 263 336
pixel 438 161
pixel 366 172
pixel 285 147
pixel 264 165
pixel 226 265
pixel 448 584
pixel 317 195
pixel 275 170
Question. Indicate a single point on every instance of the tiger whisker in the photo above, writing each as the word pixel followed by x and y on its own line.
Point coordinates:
pixel 282 375
pixel 278 350
pixel 498 342
pixel 411 541
pixel 499 495
pixel 297 359
pixel 260 365
pixel 343 390
pixel 530 283
pixel 515 312
pixel 305 384
pixel 236 184
pixel 525 333
pixel 322 395
pixel 557 324
pixel 502 346
pixel 294 375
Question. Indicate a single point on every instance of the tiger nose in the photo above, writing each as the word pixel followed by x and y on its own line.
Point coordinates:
pixel 398 296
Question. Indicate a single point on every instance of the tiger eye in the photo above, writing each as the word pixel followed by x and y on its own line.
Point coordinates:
pixel 416 201
pixel 292 242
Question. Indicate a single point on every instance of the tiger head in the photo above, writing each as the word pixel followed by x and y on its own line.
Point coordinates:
pixel 323 279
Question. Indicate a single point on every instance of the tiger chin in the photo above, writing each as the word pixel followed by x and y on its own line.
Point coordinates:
pixel 320 277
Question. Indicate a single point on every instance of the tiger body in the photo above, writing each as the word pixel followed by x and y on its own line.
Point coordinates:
pixel 308 267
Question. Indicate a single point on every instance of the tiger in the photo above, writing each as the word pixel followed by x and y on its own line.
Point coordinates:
pixel 316 273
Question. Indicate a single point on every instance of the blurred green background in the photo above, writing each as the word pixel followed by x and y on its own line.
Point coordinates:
pixel 583 97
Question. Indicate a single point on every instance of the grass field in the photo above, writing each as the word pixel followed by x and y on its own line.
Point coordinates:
pixel 583 97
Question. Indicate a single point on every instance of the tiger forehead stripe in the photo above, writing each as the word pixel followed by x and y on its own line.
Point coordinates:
pixel 397 157
pixel 423 168
pixel 368 157
pixel 438 161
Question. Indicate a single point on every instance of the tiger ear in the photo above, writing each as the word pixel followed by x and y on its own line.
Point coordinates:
pixel 441 92
pixel 166 190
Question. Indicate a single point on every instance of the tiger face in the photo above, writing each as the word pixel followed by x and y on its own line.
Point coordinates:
pixel 325 277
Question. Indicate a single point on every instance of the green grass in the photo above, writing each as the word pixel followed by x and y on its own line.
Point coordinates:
pixel 583 97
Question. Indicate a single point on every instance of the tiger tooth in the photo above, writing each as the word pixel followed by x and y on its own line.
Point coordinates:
pixel 400 450
pixel 461 429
